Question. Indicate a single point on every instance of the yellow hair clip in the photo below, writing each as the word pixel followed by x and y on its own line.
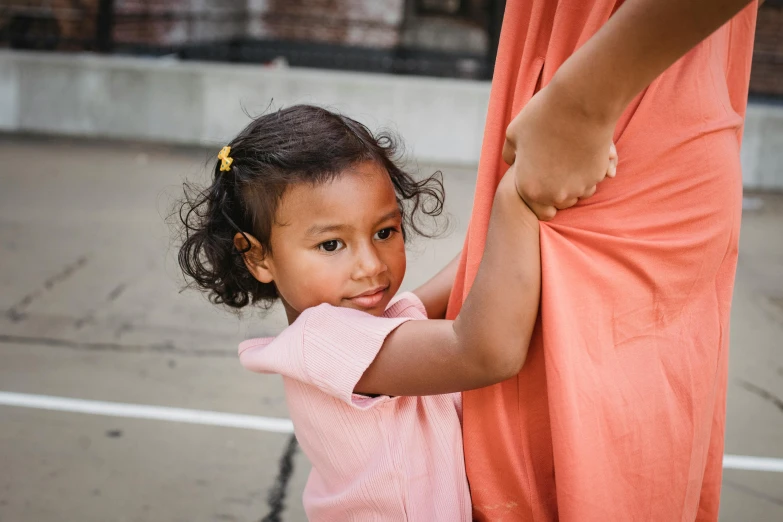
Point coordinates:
pixel 226 160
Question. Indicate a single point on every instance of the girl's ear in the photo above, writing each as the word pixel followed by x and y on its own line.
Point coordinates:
pixel 256 261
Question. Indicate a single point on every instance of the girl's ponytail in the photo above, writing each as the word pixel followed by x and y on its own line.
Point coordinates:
pixel 210 219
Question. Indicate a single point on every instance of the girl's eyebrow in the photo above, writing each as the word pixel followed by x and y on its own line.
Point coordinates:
pixel 389 215
pixel 316 230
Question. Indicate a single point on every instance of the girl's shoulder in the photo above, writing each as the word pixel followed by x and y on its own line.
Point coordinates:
pixel 406 304
pixel 329 347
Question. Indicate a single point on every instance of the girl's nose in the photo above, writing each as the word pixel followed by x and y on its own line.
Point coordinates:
pixel 368 263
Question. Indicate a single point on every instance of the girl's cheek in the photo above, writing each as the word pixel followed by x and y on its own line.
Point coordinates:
pixel 327 276
pixel 401 259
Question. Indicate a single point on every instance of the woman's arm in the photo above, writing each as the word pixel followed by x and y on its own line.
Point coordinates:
pixel 434 294
pixel 567 127
pixel 641 40
pixel 488 341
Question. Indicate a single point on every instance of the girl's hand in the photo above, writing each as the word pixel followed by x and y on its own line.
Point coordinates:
pixel 558 152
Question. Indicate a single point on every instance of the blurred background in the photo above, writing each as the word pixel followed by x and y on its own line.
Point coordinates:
pixel 121 397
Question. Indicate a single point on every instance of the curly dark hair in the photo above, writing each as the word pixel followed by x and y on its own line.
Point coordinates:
pixel 298 144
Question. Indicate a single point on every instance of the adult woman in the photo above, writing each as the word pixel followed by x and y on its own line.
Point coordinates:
pixel 619 411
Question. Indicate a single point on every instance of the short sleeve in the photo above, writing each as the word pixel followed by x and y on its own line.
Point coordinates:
pixel 281 355
pixel 339 344
pixel 406 304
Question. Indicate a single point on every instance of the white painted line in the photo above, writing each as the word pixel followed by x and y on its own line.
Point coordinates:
pixel 141 411
pixel 752 463
pixel 251 422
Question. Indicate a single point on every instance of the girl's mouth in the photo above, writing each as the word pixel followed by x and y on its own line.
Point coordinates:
pixel 370 298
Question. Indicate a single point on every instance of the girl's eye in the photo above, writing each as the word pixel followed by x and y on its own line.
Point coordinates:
pixel 385 233
pixel 330 246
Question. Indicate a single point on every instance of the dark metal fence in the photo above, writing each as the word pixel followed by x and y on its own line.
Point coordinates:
pixel 235 34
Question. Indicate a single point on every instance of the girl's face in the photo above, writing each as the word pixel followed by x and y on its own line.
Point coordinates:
pixel 339 242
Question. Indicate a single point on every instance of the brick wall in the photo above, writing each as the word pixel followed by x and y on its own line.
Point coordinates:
pixel 68 25
pixel 766 74
pixel 168 22
pixel 171 22
pixel 351 22
pixel 364 23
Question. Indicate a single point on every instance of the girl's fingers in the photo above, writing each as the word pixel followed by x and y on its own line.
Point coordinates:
pixel 567 204
pixel 611 170
pixel 589 192
pixel 509 154
pixel 543 212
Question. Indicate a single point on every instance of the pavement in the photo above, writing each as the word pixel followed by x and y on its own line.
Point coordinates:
pixel 92 308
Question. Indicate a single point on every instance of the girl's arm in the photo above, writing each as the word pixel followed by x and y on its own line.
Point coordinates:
pixel 488 341
pixel 434 294
pixel 567 127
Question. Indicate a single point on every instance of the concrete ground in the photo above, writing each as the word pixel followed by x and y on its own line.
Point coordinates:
pixel 91 309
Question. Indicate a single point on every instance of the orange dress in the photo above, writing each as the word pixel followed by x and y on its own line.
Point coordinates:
pixel 619 412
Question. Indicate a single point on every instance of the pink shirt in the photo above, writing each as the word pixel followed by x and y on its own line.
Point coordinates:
pixel 374 459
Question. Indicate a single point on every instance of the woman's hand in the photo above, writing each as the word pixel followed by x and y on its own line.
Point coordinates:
pixel 558 143
pixel 558 152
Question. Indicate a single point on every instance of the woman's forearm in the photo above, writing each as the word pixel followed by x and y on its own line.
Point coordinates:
pixel 641 40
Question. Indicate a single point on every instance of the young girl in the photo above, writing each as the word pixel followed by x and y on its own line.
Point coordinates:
pixel 308 207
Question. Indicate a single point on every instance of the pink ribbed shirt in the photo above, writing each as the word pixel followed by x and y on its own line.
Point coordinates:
pixel 374 459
